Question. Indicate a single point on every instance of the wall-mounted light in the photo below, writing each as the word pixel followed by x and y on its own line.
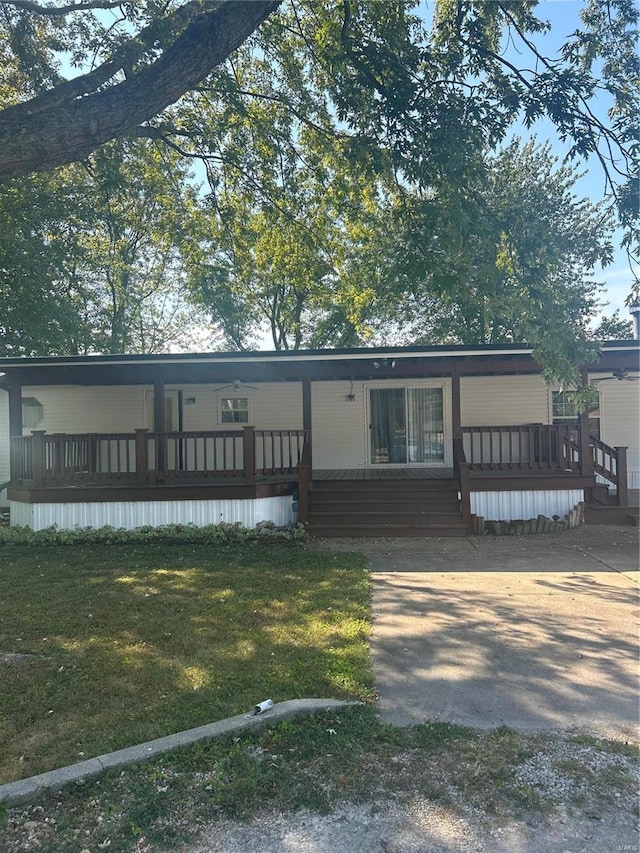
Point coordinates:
pixel 350 396
pixel 384 362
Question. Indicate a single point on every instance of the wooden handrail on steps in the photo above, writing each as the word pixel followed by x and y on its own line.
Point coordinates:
pixel 304 483
pixel 611 464
pixel 461 472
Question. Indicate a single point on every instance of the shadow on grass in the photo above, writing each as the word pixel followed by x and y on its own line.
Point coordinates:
pixel 135 643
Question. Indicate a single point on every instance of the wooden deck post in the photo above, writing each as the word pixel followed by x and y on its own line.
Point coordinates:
pixel 456 407
pixel 159 424
pixel 142 455
pixel 58 463
pixel 15 410
pixel 249 455
pixel 37 457
pixel 307 417
pixel 623 490
pixel 304 486
pixel 586 461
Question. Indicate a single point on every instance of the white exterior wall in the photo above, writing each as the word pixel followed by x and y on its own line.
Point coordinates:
pixel 76 408
pixel 620 421
pixel 340 427
pixel 503 400
pixel 276 405
pixel 121 408
pixel 132 514
pixel 512 506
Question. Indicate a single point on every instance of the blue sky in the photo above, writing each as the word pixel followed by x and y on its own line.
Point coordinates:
pixel 564 17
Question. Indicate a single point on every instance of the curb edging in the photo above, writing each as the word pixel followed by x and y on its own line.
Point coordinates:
pixel 25 790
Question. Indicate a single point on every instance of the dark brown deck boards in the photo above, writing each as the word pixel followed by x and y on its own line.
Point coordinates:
pixel 384 474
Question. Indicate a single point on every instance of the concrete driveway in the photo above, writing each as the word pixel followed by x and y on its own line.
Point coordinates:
pixel 536 633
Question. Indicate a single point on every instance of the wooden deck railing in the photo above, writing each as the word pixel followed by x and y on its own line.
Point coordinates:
pixel 611 464
pixel 461 473
pixel 540 447
pixel 304 484
pixel 146 458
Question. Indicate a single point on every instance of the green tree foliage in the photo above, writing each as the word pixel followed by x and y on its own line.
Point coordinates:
pixel 42 300
pixel 613 328
pixel 345 145
pixel 89 257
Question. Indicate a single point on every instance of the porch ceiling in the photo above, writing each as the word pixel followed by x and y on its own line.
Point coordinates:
pixel 356 364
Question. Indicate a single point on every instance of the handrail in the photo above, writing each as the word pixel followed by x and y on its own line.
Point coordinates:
pixel 611 464
pixel 304 483
pixel 146 457
pixel 522 447
pixel 461 472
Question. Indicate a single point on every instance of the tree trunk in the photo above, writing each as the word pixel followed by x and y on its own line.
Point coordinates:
pixel 70 130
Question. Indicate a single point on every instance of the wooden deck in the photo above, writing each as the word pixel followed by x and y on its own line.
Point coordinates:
pixel 442 474
pixel 383 474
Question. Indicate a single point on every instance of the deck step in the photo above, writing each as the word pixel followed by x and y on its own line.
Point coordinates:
pixel 386 530
pixel 391 485
pixel 385 507
pixel 342 504
pixel 628 516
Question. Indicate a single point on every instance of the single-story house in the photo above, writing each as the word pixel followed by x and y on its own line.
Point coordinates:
pixel 418 440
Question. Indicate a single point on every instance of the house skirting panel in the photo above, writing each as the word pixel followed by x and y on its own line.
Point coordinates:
pixel 505 506
pixel 132 514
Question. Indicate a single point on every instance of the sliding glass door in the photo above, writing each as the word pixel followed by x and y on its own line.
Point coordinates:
pixel 407 425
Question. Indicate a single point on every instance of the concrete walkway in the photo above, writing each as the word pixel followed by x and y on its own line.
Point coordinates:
pixel 536 633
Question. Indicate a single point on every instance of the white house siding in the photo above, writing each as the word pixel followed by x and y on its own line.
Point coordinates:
pixel 131 514
pixel 503 400
pixel 620 422
pixel 274 405
pixel 4 443
pixel 78 409
pixel 121 408
pixel 508 506
pixel 340 426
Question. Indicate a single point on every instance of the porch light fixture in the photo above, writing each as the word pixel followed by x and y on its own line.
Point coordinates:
pixel 385 362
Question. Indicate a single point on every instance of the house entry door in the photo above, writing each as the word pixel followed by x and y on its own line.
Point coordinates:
pixel 406 426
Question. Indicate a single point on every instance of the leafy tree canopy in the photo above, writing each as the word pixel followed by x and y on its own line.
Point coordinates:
pixel 393 119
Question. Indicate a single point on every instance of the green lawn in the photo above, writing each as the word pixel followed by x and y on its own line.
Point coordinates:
pixel 120 644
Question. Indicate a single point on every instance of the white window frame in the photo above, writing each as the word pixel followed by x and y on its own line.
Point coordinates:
pixel 234 396
pixel 553 391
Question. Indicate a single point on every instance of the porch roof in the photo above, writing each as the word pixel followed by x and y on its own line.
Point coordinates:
pixel 286 366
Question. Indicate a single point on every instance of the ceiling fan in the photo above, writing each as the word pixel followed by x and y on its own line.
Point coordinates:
pixel 619 373
pixel 237 385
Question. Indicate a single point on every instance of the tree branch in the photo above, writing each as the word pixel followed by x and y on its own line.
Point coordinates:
pixel 65 132
pixel 60 11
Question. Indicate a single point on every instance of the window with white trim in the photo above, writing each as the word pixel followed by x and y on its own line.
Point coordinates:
pixel 564 410
pixel 233 410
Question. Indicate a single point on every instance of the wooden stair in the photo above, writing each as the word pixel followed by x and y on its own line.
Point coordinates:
pixel 602 508
pixel 360 508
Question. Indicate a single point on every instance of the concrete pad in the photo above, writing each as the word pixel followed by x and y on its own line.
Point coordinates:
pixel 535 633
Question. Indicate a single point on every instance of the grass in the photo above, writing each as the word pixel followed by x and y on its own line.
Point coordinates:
pixel 314 762
pixel 120 644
